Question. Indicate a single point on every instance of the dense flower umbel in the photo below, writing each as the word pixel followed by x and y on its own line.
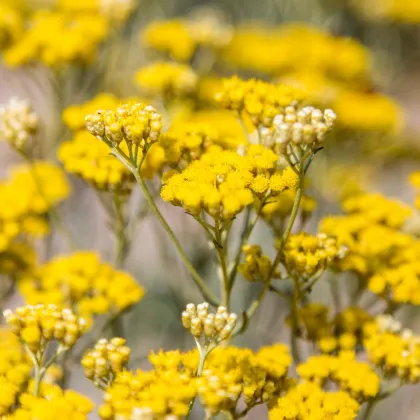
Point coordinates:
pixel 37 325
pixel 17 122
pixel 307 401
pixel 83 282
pixel 232 372
pixel 211 327
pixel 394 350
pixel 54 404
pixel 356 378
pixel 167 79
pixel 105 360
pixel 259 100
pixel 15 370
pixel 161 394
pixel 55 39
pixel 223 183
pixel 132 123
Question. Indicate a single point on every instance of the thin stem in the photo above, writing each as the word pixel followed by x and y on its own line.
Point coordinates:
pixel 295 323
pixel 221 253
pixel 256 303
pixel 37 379
pixel 375 401
pixel 204 352
pixel 205 291
pixel 120 231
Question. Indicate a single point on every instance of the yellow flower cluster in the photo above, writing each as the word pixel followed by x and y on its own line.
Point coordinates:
pixel 415 182
pixel 163 393
pixel 371 112
pixel 400 280
pixel 11 25
pixel 132 123
pixel 213 328
pixel 179 38
pixel 90 159
pixel 15 370
pixel 356 378
pixel 343 332
pixel 407 12
pixel 37 325
pixel 26 197
pixel 370 230
pixel 55 404
pixel 231 372
pixel 17 122
pixel 57 39
pixel 83 282
pixel 188 141
pixel 167 79
pixel 223 183
pixel 293 47
pixel 306 255
pixel 307 401
pixel 396 351
pixel 256 266
pixel 259 100
pixel 105 360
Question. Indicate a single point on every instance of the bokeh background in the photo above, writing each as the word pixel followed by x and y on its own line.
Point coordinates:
pixel 378 80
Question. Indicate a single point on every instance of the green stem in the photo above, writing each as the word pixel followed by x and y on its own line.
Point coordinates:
pixel 205 291
pixel 256 303
pixel 120 232
pixel 295 323
pixel 221 253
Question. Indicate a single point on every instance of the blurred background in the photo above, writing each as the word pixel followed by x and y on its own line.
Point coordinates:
pixel 359 57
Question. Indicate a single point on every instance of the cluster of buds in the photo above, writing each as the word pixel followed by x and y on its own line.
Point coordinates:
pixel 134 123
pixel 17 122
pixel 213 327
pixel 257 266
pixel 39 324
pixel 306 255
pixel 260 100
pixel 105 360
pixel 305 126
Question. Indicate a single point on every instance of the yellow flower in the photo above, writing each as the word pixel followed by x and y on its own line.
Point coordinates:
pixel 55 39
pixel 11 25
pixel 82 281
pixel 167 79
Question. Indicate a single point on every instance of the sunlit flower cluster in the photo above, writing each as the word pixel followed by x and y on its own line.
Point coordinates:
pixel 371 230
pixel 393 349
pixel 57 39
pixel 355 377
pixel 83 282
pixel 17 122
pixel 39 324
pixel 308 401
pixel 259 100
pixel 105 360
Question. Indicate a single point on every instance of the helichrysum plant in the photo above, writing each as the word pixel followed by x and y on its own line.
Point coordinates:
pixel 231 155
